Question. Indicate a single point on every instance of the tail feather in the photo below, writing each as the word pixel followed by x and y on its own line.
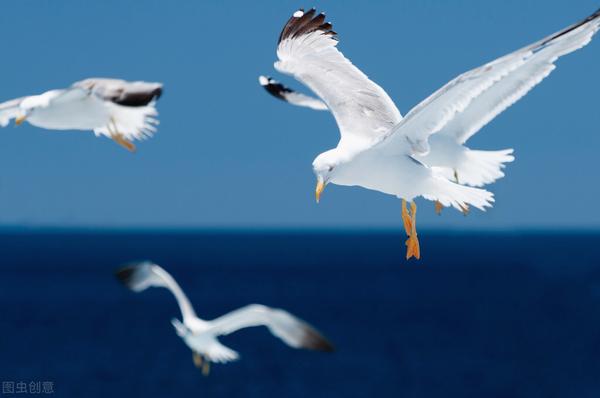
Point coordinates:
pixel 180 328
pixel 458 196
pixel 220 354
pixel 135 123
pixel 479 168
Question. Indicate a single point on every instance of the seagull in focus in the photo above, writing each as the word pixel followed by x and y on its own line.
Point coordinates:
pixel 383 151
pixel 447 150
pixel 201 336
pixel 121 110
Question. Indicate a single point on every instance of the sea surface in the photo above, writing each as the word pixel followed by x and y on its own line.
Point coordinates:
pixel 481 315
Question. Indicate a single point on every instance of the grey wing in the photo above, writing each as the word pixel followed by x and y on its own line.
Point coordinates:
pixel 470 101
pixel 293 331
pixel 288 95
pixel 122 92
pixel 10 110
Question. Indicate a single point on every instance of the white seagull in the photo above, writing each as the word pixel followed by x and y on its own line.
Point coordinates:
pixel 381 150
pixel 121 110
pixel 447 150
pixel 201 336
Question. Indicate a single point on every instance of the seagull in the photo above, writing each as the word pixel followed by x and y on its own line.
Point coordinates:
pixel 477 168
pixel 383 151
pixel 123 111
pixel 201 336
pixel 447 150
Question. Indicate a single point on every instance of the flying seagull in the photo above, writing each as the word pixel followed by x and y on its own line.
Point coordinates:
pixel 447 150
pixel 121 110
pixel 381 150
pixel 201 336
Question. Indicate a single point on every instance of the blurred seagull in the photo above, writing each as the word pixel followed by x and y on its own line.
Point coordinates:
pixel 121 110
pixel 381 150
pixel 201 336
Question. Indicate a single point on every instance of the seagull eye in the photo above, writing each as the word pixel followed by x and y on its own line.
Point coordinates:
pixel 330 169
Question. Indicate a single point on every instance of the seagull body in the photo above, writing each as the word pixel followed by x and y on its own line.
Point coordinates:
pixel 381 150
pixel 201 336
pixel 123 111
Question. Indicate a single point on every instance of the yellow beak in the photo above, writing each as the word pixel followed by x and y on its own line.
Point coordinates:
pixel 20 120
pixel 319 189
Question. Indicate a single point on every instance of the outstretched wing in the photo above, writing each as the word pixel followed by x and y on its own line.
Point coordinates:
pixel 286 94
pixel 293 331
pixel 10 110
pixel 140 276
pixel 473 99
pixel 307 50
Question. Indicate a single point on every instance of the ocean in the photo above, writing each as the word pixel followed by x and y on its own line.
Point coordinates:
pixel 481 315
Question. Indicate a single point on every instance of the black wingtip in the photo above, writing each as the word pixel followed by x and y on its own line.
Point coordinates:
pixel 571 28
pixel 137 99
pixel 313 340
pixel 126 273
pixel 303 23
pixel 274 88
pixel 158 93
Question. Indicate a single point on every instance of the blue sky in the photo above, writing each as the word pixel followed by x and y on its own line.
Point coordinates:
pixel 228 155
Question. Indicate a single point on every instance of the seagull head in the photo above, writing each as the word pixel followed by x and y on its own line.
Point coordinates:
pixel 324 167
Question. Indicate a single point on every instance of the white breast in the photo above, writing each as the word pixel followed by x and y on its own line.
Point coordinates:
pixel 397 175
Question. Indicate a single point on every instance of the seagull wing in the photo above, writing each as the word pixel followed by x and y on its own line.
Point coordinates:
pixel 10 110
pixel 288 95
pixel 140 276
pixel 122 92
pixel 293 331
pixel 473 99
pixel 307 50
pixel 131 105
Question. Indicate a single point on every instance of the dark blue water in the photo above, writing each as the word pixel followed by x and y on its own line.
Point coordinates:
pixel 481 315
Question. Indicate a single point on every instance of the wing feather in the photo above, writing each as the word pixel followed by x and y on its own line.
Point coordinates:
pixel 121 92
pixel 132 105
pixel 140 276
pixel 473 99
pixel 286 94
pixel 293 331
pixel 307 50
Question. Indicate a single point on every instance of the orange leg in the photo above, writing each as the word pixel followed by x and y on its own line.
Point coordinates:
pixel 206 368
pixel 118 137
pixel 406 218
pixel 410 226
pixel 413 248
pixel 197 359
pixel 438 207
